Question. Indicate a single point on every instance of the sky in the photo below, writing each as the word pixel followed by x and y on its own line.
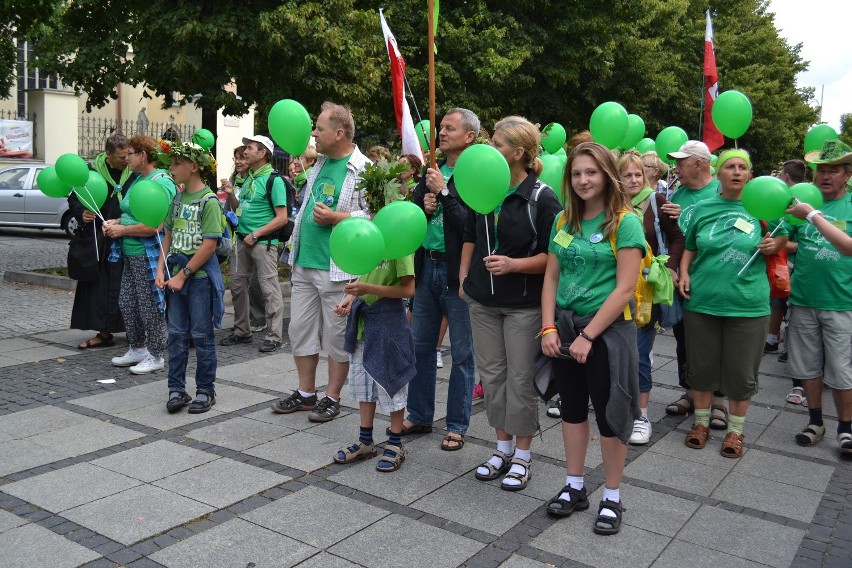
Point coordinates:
pixel 822 27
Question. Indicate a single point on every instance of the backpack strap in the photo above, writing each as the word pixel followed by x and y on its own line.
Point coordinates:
pixel 627 315
pixel 532 214
pixel 661 244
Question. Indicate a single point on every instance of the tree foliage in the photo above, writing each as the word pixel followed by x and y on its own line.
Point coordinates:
pixel 846 128
pixel 549 60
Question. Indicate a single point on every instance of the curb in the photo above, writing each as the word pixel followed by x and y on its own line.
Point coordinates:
pixel 38 279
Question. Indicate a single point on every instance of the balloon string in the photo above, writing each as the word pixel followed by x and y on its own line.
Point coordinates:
pixel 757 252
pixel 95 233
pixel 344 294
pixel 163 253
pixel 88 205
pixel 97 209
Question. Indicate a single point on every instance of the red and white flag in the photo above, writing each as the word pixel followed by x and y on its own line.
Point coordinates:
pixel 404 123
pixel 711 135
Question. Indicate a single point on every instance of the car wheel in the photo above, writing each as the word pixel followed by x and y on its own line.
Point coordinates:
pixel 69 224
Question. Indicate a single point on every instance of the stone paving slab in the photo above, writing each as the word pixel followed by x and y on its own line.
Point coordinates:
pixel 651 510
pixel 88 436
pixel 7 346
pixel 398 540
pixel 119 401
pixel 326 560
pixel 234 543
pixel 154 461
pixel 74 337
pixel 8 361
pixel 78 484
pixel 316 517
pixel 676 473
pixel 155 416
pixel 300 450
pixel 222 482
pixel 797 472
pixel 20 455
pixel 38 420
pixel 239 433
pixel 770 496
pixel 427 450
pixel 672 445
pixel 42 353
pixel 518 561
pixel 680 553
pixel 30 545
pixel 745 537
pixel 10 521
pixel 403 488
pixel 137 513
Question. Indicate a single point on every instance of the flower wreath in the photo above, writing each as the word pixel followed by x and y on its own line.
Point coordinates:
pixel 192 152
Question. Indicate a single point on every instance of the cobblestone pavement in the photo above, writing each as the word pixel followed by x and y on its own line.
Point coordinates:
pixel 95 474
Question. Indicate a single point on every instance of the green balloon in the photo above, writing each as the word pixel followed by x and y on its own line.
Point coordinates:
pixel 93 195
pixel 50 184
pixel 805 193
pixel 712 171
pixel 552 173
pixel 608 124
pixel 482 177
pixel 817 136
pixel 403 227
pixel 422 131
pixel 732 113
pixel 149 202
pixel 204 138
pixel 670 139
pixel 553 137
pixel 646 145
pixel 72 169
pixel 635 132
pixel 766 197
pixel 356 245
pixel 714 159
pixel 290 126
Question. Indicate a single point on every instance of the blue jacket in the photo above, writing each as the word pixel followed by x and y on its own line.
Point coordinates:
pixel 217 288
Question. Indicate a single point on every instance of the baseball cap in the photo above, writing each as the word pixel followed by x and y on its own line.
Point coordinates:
pixel 263 140
pixel 692 148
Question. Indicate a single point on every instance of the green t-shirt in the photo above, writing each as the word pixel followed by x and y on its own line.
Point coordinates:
pixel 192 224
pixel 387 273
pixel 823 277
pixel 313 249
pixel 435 228
pixel 587 265
pixel 132 246
pixel 254 210
pixel 725 236
pixel 687 198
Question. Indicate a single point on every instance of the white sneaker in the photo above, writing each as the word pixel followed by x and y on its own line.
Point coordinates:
pixel 129 358
pixel 258 328
pixel 439 359
pixel 148 365
pixel 641 432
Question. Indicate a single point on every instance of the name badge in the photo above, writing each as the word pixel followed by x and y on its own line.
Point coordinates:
pixel 328 189
pixel 744 225
pixel 839 223
pixel 563 239
pixel 180 224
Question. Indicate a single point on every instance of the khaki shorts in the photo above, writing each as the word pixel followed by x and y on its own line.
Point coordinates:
pixel 820 345
pixel 314 326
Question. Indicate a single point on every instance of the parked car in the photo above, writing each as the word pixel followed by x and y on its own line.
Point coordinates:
pixel 23 205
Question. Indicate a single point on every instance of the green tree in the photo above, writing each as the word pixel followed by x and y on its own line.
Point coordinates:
pixel 18 18
pixel 846 128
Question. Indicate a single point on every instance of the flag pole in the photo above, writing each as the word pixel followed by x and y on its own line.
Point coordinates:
pixel 431 50
pixel 701 113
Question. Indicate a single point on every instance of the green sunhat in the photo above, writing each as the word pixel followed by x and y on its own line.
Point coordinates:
pixel 833 152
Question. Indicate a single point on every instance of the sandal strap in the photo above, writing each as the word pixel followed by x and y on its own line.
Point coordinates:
pixel 519 476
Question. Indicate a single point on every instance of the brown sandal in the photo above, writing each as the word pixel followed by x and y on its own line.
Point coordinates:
pixel 732 445
pixel 697 437
pixel 451 444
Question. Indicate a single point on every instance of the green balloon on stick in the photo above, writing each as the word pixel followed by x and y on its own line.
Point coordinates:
pixel 356 245
pixel 608 124
pixel 732 113
pixel 553 137
pixel 290 126
pixel 149 202
pixel 552 172
pixel 204 138
pixel 93 195
pixel 635 132
pixel 482 177
pixel 646 145
pixel 670 139
pixel 805 193
pixel 817 136
pixel 50 184
pixel 72 169
pixel 403 227
pixel 766 197
pixel 422 129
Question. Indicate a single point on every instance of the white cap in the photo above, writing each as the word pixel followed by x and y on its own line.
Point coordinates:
pixel 266 142
pixel 692 148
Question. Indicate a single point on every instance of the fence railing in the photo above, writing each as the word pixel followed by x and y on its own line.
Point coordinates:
pixel 93 132
pixel 15 115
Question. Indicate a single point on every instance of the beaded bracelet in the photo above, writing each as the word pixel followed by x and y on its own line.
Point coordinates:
pixel 586 337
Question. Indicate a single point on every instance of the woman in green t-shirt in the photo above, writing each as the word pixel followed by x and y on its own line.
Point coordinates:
pixel 726 314
pixel 587 328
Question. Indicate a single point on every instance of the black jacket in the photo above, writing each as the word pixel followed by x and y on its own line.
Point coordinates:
pixel 515 240
pixel 455 213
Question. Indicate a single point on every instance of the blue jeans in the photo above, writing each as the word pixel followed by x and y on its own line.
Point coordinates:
pixel 431 300
pixel 645 342
pixel 190 315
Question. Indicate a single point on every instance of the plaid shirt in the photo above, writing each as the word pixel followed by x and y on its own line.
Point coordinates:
pixel 152 255
pixel 350 201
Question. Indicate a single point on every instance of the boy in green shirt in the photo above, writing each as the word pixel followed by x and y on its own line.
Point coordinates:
pixel 194 281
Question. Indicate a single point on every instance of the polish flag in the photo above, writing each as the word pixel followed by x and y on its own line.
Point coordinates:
pixel 404 123
pixel 711 135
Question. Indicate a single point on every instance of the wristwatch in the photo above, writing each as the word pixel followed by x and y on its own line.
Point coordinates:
pixel 810 216
pixel 187 271
pixel 445 192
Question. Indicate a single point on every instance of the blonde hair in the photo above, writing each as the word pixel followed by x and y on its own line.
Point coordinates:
pixel 309 155
pixel 340 117
pixel 616 199
pixel 656 162
pixel 521 133
pixel 631 157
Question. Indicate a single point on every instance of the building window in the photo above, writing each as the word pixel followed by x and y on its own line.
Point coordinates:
pixel 31 78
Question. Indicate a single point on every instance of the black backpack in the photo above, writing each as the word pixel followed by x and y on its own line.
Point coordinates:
pixel 286 231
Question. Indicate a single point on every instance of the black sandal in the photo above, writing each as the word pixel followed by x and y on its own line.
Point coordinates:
pixel 494 472
pixel 107 341
pixel 562 508
pixel 607 525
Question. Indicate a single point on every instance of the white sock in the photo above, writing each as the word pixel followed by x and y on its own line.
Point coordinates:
pixel 772 339
pixel 644 412
pixel 140 350
pixel 517 468
pixel 306 394
pixel 574 482
pixel 332 398
pixel 523 454
pixel 613 495
pixel 505 446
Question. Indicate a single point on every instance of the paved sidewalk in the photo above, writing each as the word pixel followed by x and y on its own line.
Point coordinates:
pixel 95 474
